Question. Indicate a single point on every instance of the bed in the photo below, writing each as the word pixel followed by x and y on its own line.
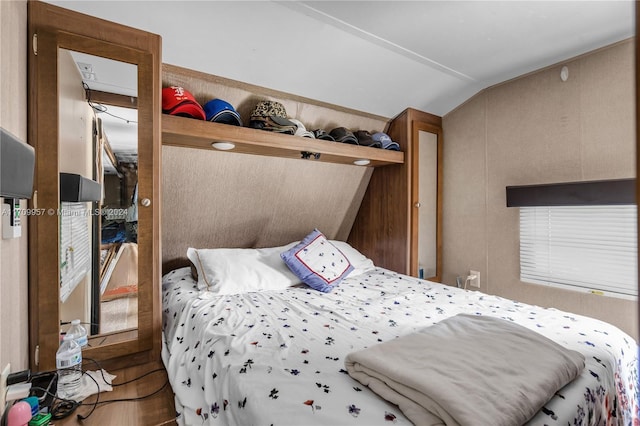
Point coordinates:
pixel 274 353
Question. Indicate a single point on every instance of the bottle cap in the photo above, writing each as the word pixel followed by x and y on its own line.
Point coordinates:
pixel 75 322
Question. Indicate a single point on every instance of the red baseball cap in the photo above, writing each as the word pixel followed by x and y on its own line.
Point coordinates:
pixel 178 101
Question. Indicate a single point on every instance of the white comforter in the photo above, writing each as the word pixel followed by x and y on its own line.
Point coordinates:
pixel 277 357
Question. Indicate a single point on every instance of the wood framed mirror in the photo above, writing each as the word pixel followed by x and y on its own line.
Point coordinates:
pixel 65 129
pixel 426 200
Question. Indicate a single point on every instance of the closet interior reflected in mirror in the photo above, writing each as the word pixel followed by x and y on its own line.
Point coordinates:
pixel 98 140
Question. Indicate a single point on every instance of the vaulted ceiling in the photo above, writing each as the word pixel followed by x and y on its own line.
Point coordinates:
pixel 375 56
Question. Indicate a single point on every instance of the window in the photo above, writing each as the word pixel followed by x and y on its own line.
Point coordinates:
pixel 584 248
pixel 75 246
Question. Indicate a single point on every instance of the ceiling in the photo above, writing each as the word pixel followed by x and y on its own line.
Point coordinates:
pixel 119 124
pixel 374 56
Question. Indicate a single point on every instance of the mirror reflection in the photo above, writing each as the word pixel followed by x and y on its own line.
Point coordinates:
pixel 98 237
pixel 428 206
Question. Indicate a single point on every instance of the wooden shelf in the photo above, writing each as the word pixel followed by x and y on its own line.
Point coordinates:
pixel 192 133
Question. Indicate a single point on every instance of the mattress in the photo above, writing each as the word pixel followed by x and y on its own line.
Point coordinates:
pixel 277 357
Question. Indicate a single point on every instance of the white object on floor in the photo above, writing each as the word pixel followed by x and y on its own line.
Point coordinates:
pixel 88 387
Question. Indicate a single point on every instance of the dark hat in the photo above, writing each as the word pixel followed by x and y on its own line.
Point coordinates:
pixel 221 111
pixel 386 141
pixel 344 135
pixel 365 139
pixel 178 101
pixel 323 135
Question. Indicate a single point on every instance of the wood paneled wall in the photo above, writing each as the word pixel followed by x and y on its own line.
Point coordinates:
pixel 382 229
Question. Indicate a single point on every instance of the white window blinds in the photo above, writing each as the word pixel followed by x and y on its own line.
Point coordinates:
pixel 586 248
pixel 75 246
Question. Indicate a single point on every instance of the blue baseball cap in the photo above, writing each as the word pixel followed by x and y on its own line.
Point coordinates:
pixel 221 111
pixel 385 141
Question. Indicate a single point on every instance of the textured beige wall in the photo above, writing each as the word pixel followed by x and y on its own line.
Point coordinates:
pixel 535 129
pixel 13 252
pixel 225 199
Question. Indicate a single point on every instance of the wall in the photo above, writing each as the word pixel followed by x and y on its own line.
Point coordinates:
pixel 535 129
pixel 13 252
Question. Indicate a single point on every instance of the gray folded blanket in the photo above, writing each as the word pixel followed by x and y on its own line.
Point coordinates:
pixel 467 370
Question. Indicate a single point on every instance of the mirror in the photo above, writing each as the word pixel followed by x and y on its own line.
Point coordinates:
pixel 426 199
pixel 66 280
pixel 98 240
pixel 427 208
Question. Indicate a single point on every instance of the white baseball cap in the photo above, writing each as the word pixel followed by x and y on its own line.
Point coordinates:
pixel 301 130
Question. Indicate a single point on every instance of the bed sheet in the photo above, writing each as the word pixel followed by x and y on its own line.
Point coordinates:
pixel 277 357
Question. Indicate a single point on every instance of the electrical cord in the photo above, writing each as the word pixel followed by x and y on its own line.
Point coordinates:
pixel 469 278
pixel 65 407
pixel 3 420
pixel 62 407
pixel 139 398
pixel 109 401
pixel 123 383
pixel 62 333
pixel 101 108
pixel 85 323
pixel 138 378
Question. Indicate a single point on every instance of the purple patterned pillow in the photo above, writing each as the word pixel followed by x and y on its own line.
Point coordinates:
pixel 317 262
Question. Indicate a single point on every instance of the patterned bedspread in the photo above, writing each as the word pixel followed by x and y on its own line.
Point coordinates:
pixel 277 357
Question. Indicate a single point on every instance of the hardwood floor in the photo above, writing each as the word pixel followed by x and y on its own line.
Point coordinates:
pixel 155 410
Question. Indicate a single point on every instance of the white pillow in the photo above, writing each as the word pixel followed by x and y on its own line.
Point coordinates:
pixel 359 261
pixel 236 271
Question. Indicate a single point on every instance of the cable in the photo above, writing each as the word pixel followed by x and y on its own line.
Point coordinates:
pixel 140 377
pixel 63 409
pixel 69 322
pixel 109 401
pixel 66 407
pixel 128 381
pixel 81 417
pixel 3 420
pixel 101 108
pixel 469 278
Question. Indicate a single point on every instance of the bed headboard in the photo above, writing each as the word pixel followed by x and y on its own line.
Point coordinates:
pixel 221 199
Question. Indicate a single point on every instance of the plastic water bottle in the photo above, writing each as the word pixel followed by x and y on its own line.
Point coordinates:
pixel 79 333
pixel 69 365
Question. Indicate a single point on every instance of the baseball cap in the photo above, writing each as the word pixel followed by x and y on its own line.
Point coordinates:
pixel 302 131
pixel 274 110
pixel 385 141
pixel 323 135
pixel 176 100
pixel 344 135
pixel 221 111
pixel 365 139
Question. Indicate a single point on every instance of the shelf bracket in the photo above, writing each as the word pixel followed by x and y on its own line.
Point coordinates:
pixel 307 155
